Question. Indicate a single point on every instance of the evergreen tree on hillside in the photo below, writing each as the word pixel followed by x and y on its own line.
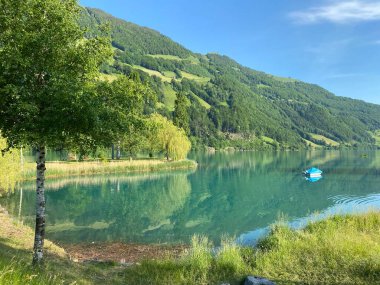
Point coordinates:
pixel 181 116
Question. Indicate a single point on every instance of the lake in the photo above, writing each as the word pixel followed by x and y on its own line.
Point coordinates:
pixel 239 194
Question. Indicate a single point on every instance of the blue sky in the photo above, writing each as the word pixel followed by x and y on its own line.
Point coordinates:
pixel 335 44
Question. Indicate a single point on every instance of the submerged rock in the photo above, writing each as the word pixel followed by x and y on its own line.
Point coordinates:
pixel 251 280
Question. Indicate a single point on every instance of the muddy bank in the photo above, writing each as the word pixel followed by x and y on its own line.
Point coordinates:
pixel 121 252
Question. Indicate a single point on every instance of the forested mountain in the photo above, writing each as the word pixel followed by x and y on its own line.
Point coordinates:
pixel 232 105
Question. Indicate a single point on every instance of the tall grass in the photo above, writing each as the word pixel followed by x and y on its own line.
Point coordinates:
pixel 201 264
pixel 61 169
pixel 338 250
pixel 18 273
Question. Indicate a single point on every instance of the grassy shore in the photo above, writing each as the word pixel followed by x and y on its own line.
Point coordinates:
pixel 74 168
pixel 338 250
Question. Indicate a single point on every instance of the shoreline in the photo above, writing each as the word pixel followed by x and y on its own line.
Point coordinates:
pixel 62 169
pixel 122 253
pixel 336 250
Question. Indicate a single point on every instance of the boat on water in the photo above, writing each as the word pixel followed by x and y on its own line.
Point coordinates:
pixel 313 179
pixel 313 172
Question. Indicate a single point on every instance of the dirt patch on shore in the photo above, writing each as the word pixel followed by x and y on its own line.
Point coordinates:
pixel 121 252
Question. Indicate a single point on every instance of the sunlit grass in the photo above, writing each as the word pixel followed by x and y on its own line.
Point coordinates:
pixel 169 96
pixel 196 78
pixel 60 169
pixel 376 136
pixel 325 139
pixel 153 72
pixel 338 250
pixel 201 101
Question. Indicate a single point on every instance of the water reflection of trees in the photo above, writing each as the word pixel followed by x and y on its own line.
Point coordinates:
pixel 128 208
pixel 231 193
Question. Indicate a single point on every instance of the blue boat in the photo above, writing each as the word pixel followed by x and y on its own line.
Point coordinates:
pixel 313 172
pixel 313 179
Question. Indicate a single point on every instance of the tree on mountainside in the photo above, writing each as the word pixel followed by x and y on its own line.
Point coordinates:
pixel 181 116
pixel 47 78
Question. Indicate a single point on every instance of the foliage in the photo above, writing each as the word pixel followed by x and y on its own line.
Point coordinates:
pixel 10 168
pixel 46 67
pixel 181 115
pixel 164 136
pixel 120 108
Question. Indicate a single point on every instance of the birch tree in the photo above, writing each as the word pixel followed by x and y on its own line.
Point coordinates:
pixel 46 69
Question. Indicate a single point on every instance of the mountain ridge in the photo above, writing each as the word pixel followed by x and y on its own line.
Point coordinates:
pixel 229 98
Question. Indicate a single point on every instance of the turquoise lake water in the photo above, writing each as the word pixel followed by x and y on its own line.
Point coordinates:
pixel 239 194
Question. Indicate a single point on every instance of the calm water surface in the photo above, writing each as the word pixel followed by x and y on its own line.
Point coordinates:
pixel 239 194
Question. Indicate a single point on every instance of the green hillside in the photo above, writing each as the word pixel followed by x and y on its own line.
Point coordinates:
pixel 232 105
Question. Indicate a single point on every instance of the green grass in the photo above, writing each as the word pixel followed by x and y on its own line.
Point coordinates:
pixel 170 96
pixel 166 56
pixel 325 139
pixel 169 74
pixel 201 101
pixel 153 72
pixel 192 59
pixel 338 250
pixel 376 136
pixel 262 86
pixel 268 140
pixel 310 143
pixel 198 79
pixel 108 77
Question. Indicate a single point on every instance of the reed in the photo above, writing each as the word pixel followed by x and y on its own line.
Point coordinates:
pixel 62 169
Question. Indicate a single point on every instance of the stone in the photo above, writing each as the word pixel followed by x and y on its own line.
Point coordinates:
pixel 251 280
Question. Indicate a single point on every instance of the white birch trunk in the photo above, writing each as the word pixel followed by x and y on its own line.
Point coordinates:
pixel 40 208
pixel 118 151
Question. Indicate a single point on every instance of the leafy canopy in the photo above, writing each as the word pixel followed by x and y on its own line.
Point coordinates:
pixel 165 136
pixel 47 68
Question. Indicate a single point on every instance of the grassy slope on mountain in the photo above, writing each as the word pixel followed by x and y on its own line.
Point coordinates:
pixel 228 98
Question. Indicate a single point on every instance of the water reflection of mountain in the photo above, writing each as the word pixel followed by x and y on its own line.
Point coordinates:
pixel 229 193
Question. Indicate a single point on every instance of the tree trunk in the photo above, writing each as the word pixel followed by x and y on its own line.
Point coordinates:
pixel 40 208
pixel 118 151
pixel 20 205
pixel 113 152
